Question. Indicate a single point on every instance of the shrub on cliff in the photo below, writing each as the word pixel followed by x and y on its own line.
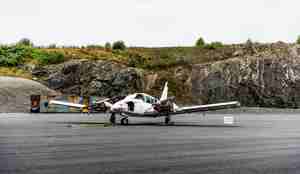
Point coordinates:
pixel 298 40
pixel 119 45
pixel 13 55
pixel 214 45
pixel 25 42
pixel 200 43
pixel 136 59
pixel 52 46
pixel 93 46
pixel 44 57
pixel 107 46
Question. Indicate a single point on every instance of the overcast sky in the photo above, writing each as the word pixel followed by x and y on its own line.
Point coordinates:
pixel 148 22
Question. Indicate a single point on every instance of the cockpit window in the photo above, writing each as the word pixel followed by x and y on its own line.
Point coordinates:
pixel 139 96
pixel 146 98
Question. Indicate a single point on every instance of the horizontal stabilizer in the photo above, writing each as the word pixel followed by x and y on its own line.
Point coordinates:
pixel 102 101
pixel 55 102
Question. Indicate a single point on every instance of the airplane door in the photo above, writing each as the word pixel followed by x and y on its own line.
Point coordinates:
pixel 141 107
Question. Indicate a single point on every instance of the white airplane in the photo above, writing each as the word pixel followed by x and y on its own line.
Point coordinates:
pixel 144 105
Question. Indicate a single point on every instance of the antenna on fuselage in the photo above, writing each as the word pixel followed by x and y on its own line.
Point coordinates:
pixel 164 94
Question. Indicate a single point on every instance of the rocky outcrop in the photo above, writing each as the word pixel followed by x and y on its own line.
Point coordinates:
pixel 99 78
pixel 265 75
pixel 266 79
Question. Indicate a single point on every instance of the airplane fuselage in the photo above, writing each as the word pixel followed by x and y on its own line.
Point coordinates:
pixel 138 103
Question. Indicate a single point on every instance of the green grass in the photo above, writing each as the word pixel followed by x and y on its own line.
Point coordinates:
pixel 47 57
pixel 145 58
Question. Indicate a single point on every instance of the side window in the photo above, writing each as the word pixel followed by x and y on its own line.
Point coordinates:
pixel 152 100
pixel 148 99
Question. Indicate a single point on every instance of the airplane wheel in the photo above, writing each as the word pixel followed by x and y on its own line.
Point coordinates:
pixel 167 120
pixel 113 118
pixel 124 121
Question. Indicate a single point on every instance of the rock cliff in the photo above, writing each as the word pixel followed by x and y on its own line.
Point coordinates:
pixel 265 75
pixel 267 79
pixel 99 78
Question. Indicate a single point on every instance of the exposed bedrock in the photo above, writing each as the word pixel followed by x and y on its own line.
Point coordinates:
pixel 264 79
pixel 256 75
pixel 100 78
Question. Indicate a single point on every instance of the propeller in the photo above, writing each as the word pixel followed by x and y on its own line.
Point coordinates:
pixel 166 105
pixel 108 102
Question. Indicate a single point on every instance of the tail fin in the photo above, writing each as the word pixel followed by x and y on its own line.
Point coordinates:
pixel 164 94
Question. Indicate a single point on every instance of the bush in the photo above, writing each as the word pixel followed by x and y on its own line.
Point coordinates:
pixel 44 57
pixel 25 42
pixel 107 46
pixel 14 55
pixel 137 60
pixel 214 45
pixel 200 43
pixel 52 46
pixel 298 40
pixel 249 42
pixel 94 46
pixel 12 60
pixel 119 45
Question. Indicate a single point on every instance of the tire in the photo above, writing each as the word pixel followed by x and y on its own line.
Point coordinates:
pixel 113 118
pixel 124 121
pixel 167 120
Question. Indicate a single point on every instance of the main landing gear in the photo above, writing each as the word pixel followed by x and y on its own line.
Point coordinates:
pixel 124 120
pixel 167 120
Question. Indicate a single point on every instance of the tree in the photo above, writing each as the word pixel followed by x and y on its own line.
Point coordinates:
pixel 94 46
pixel 298 40
pixel 214 45
pixel 107 46
pixel 25 42
pixel 52 46
pixel 249 42
pixel 119 45
pixel 200 43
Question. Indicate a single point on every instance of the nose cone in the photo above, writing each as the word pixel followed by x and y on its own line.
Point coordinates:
pixel 118 107
pixel 114 108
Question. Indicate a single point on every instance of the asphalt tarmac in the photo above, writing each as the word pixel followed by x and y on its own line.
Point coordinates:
pixel 69 143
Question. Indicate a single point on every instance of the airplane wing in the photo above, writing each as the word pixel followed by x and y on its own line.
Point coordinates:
pixel 55 102
pixel 209 107
pixel 186 110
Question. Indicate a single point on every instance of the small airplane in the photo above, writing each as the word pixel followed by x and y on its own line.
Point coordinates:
pixel 144 105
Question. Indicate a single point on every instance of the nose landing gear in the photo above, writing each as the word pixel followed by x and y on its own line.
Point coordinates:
pixel 112 118
pixel 124 121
